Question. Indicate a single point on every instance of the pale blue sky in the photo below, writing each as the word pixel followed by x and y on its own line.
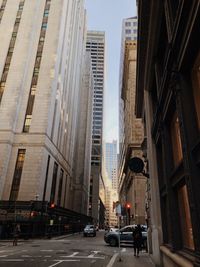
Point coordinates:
pixel 107 15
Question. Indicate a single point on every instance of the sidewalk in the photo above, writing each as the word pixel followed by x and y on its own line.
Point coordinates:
pixel 128 260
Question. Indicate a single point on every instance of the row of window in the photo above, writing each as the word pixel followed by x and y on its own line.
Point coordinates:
pixel 176 177
pixel 2 8
pixel 11 48
pixel 17 179
pixel 130 31
pixel 129 23
pixel 31 100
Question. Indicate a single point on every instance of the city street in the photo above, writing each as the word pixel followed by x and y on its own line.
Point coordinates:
pixel 72 251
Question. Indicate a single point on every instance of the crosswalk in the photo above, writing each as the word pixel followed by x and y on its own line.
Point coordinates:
pixel 48 253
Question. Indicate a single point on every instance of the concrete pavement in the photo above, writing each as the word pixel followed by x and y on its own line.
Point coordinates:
pixel 126 254
pixel 128 260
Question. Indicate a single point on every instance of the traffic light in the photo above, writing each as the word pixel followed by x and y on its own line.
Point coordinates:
pixel 128 207
pixel 52 205
pixel 33 214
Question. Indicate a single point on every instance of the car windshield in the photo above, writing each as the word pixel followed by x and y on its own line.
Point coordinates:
pixel 89 226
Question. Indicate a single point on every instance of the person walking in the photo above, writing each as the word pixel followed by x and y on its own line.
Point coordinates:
pixel 16 234
pixel 137 239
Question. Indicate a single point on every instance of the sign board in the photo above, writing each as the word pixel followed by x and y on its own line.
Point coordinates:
pixel 118 209
pixel 136 165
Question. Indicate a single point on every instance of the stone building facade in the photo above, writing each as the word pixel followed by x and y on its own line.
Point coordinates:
pixel 132 187
pixel 168 97
pixel 41 60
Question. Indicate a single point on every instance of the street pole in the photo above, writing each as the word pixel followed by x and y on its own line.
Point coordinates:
pixel 120 259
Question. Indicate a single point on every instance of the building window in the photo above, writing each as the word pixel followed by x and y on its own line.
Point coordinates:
pixel 17 174
pixel 54 180
pixel 196 87
pixel 36 69
pixel 176 140
pixel 60 187
pixel 128 23
pixel 27 123
pixel 184 210
pixel 11 47
pixel 46 179
pixel 128 31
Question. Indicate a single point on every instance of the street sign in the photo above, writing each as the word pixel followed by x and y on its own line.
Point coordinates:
pixel 118 209
pixel 136 165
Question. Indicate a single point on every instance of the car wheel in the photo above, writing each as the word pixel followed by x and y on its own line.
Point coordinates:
pixel 113 242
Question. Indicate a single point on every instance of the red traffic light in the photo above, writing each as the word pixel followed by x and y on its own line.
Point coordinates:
pixel 128 205
pixel 33 213
pixel 52 205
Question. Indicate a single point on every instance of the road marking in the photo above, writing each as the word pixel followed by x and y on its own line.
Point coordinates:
pixel 46 250
pixel 93 254
pixel 61 261
pixel 12 260
pixel 3 256
pixel 111 262
pixel 124 250
pixel 72 255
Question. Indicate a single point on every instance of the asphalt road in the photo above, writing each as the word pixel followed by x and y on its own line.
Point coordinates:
pixel 71 251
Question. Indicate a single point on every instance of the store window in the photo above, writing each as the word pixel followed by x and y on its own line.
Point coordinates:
pixel 185 218
pixel 196 87
pixel 176 140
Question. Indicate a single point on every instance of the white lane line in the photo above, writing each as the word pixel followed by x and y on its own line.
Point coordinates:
pixel 61 262
pixel 3 256
pixel 72 255
pixel 46 250
pixel 112 261
pixel 11 260
pixel 124 250
pixel 56 263
pixel 93 254
pixel 83 257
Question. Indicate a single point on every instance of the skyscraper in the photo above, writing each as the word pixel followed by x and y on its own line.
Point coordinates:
pixel 129 32
pixel 41 57
pixel 111 162
pixel 96 46
pixel 132 187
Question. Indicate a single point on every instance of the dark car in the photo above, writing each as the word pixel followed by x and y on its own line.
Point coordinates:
pixel 89 229
pixel 126 236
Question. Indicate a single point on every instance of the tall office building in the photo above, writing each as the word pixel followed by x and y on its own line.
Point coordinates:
pixel 82 166
pixel 96 46
pixel 132 187
pixel 41 56
pixel 129 32
pixel 111 162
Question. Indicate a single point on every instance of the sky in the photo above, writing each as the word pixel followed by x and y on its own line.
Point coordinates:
pixel 107 15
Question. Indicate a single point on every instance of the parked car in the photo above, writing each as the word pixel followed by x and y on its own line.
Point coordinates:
pixel 113 229
pixel 89 229
pixel 126 236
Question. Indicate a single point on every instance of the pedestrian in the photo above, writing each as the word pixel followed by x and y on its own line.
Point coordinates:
pixel 137 239
pixel 16 234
